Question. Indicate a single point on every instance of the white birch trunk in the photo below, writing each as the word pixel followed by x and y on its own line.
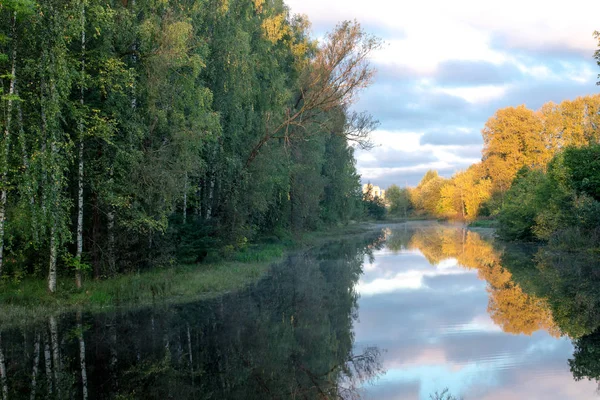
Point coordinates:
pixel 84 381
pixel 36 362
pixel 11 92
pixel 3 378
pixel 53 256
pixel 55 353
pixel 55 185
pixel 48 362
pixel 80 169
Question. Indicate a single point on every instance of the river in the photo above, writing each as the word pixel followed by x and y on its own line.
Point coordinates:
pixel 402 312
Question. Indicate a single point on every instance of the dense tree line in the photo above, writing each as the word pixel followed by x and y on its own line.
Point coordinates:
pixel 516 140
pixel 134 132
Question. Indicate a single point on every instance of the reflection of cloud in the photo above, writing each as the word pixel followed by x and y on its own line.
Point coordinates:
pixel 405 280
pixel 437 333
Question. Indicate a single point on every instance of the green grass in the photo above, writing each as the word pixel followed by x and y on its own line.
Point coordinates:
pixel 29 299
pixel 484 223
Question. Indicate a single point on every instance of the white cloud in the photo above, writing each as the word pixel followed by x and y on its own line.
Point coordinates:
pixel 378 279
pixel 534 44
pixel 477 94
pixel 460 24
pixel 444 157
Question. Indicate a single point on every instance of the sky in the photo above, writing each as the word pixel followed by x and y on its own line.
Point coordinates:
pixel 447 66
pixel 434 330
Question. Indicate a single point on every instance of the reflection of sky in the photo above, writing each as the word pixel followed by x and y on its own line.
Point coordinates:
pixel 433 325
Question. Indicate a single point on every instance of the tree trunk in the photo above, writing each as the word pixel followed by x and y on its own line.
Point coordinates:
pixel 55 353
pixel 36 362
pixel 80 169
pixel 3 378
pixel 11 92
pixel 84 381
pixel 48 361
pixel 53 256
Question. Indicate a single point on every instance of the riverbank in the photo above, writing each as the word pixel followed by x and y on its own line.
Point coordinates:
pixel 30 300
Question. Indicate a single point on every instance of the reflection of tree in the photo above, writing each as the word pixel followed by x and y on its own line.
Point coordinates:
pixel 516 312
pixel 568 282
pixel 290 336
pixel 586 358
pixel 509 306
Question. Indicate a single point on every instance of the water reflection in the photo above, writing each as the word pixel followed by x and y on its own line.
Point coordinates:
pixel 288 337
pixel 442 301
pixel 571 286
pixel 451 308
pixel 509 306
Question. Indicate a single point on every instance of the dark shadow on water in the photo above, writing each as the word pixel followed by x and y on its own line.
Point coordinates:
pixel 289 336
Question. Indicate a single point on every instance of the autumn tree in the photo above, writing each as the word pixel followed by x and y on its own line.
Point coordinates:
pixel 426 195
pixel 512 139
pixel 463 195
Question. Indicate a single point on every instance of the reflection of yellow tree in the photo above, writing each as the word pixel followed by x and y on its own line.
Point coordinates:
pixel 510 308
pixel 516 312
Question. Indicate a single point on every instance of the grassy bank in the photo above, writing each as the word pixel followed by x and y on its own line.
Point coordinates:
pixel 30 300
pixel 484 223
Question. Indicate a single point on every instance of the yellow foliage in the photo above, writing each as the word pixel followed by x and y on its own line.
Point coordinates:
pixel 512 139
pixel 258 4
pixel 462 195
pixel 516 136
pixel 275 28
pixel 224 7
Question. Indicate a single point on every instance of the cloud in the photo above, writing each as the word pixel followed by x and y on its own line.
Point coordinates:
pixel 475 73
pixel 452 137
pixel 385 157
pixel 447 67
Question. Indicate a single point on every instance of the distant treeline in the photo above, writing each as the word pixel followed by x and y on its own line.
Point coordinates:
pixel 138 133
pixel 539 175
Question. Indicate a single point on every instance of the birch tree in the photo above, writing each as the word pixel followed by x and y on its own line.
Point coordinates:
pixel 81 129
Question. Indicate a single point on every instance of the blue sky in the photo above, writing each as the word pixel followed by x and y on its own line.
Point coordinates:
pixel 447 67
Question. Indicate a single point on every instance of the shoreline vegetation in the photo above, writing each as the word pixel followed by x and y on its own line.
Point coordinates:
pixel 538 179
pixel 139 135
pixel 29 300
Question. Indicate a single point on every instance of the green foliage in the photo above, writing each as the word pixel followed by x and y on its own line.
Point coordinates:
pixel 521 204
pixel 399 200
pixel 583 166
pixel 585 363
pixel 199 127
pixel 557 206
pixel 374 206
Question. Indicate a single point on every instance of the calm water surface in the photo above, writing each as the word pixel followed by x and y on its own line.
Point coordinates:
pixel 400 313
pixel 433 298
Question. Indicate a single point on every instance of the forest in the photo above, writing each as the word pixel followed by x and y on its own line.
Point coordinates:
pixel 141 134
pixel 539 177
